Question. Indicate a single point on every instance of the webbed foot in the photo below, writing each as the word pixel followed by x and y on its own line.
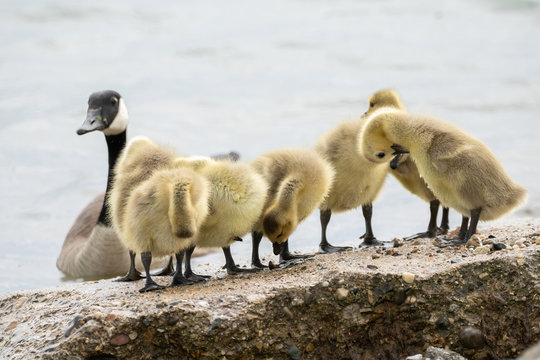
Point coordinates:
pixel 151 286
pixel 167 270
pixel 132 275
pixel 426 234
pixel 370 241
pixel 196 278
pixel 330 249
pixel 235 270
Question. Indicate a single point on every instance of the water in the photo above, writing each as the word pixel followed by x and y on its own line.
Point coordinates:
pixel 211 76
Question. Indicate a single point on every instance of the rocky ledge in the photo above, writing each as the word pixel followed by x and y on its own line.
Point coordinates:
pixel 384 303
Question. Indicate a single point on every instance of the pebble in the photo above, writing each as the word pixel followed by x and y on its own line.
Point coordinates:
pixel 515 247
pixel 132 335
pixel 482 250
pixel 120 339
pixel 408 277
pixel 471 338
pixel 341 293
pixel 372 267
pixel 259 346
pixel 310 347
pixel 498 246
pixel 537 241
pixel 375 256
pixel 12 325
pixel 294 352
pixel 474 241
pixel 483 276
pixel 415 357
pixel 325 284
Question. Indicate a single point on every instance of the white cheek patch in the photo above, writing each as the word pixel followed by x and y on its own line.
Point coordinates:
pixel 119 124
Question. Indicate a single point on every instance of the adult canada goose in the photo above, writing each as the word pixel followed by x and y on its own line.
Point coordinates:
pixel 237 196
pixel 91 247
pixel 159 214
pixel 405 171
pixel 298 180
pixel 460 170
pixel 357 180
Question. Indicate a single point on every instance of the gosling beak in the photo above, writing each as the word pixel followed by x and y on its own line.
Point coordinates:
pixel 237 238
pixel 94 121
pixel 277 248
pixel 398 149
pixel 395 162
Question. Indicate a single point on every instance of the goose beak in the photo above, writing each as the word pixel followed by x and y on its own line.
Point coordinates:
pixel 94 121
pixel 277 248
pixel 395 162
pixel 398 149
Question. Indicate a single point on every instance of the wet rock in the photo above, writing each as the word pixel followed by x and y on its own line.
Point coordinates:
pixel 293 352
pixel 119 339
pixel 415 357
pixel 408 277
pixel 73 325
pixel 435 353
pixel 482 250
pixel 341 293
pixel 471 338
pixel 498 246
pixel 442 323
pixel 399 296
pixel 532 353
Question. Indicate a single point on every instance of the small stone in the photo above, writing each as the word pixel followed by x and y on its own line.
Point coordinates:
pixel 442 354
pixel 408 277
pixel 110 317
pixel 471 338
pixel 372 267
pixel 310 347
pixel 442 323
pixel 287 311
pixel 12 325
pixel 537 241
pixel 515 247
pixel 482 250
pixel 259 346
pixel 325 284
pixel 294 352
pixel 119 339
pixel 491 236
pixel 399 296
pixel 498 246
pixel 132 335
pixel 483 276
pixel 415 357
pixel 455 261
pixel 341 293
pixel 375 256
pixel 397 243
pixel 474 242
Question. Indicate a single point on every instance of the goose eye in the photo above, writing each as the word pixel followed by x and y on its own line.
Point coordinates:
pixel 371 104
pixel 380 155
pixel 280 235
pixel 114 101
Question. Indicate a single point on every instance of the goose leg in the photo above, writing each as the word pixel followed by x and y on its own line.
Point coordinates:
pixel 325 247
pixel 256 238
pixel 132 274
pixel 189 274
pixel 231 267
pixel 475 216
pixel 150 285
pixel 369 239
pixel 432 227
pixel 444 222
pixel 178 278
pixel 167 270
pixel 285 255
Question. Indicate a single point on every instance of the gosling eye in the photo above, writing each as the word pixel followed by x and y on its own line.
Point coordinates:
pixel 381 155
pixel 280 235
pixel 114 101
pixel 371 104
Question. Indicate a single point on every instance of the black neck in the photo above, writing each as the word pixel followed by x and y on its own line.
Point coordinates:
pixel 115 144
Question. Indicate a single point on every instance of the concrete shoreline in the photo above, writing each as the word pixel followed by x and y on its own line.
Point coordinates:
pixel 380 303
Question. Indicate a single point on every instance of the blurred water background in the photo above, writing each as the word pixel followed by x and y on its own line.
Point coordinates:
pixel 211 76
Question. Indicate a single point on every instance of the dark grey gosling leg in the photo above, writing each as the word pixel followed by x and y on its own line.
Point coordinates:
pixel 325 247
pixel 444 222
pixel 231 267
pixel 133 274
pixel 369 239
pixel 285 255
pixel 150 285
pixel 189 274
pixel 475 216
pixel 178 278
pixel 432 227
pixel 460 240
pixel 256 238
pixel 167 270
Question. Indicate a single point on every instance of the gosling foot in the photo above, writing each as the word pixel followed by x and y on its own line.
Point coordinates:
pixel 132 275
pixel 442 231
pixel 258 265
pixel 196 278
pixel 370 241
pixel 235 270
pixel 426 234
pixel 167 270
pixel 330 249
pixel 181 281
pixel 151 286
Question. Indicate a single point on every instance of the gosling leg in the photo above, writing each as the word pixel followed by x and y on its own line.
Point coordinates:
pixel 432 227
pixel 178 278
pixel 369 239
pixel 256 238
pixel 167 270
pixel 132 274
pixel 150 285
pixel 231 267
pixel 460 240
pixel 475 216
pixel 189 274
pixel 325 247
pixel 443 229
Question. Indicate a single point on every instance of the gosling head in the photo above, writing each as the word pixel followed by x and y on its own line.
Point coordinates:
pixel 106 112
pixel 278 226
pixel 384 98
